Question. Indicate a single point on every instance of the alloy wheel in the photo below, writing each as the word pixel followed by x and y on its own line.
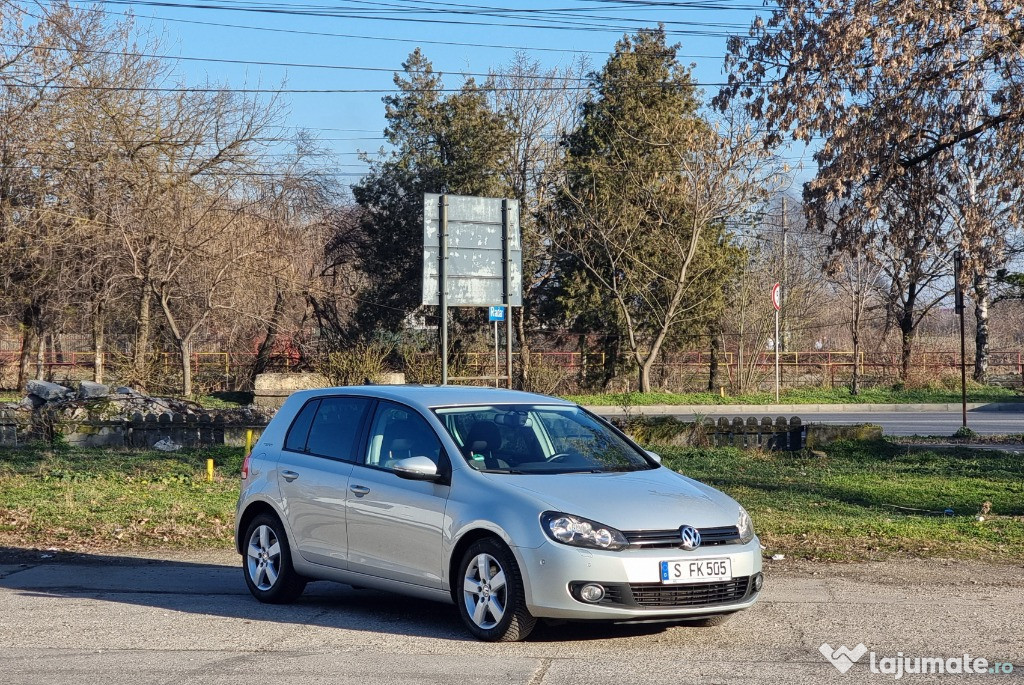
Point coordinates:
pixel 484 591
pixel 263 558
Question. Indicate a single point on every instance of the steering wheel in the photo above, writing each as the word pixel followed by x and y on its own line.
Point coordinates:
pixel 560 457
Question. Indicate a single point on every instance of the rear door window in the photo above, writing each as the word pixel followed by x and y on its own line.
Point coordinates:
pixel 299 431
pixel 335 430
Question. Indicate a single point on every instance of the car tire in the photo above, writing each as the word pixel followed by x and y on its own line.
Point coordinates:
pixel 267 562
pixel 490 593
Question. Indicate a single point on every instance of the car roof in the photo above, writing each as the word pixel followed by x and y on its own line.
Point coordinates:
pixel 428 397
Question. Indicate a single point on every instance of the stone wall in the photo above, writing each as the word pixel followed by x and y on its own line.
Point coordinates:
pixel 169 430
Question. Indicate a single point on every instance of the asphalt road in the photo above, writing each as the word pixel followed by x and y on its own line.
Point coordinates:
pixel 925 422
pixel 121 620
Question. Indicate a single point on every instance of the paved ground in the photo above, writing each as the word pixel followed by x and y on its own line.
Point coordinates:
pixel 129 620
pixel 990 419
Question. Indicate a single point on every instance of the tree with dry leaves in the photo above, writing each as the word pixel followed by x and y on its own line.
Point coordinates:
pixel 887 90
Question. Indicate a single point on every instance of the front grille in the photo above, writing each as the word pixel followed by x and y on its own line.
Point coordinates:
pixel 723 535
pixel 665 539
pixel 689 594
pixel 612 594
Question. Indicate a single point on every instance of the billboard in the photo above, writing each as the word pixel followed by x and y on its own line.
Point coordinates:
pixel 480 248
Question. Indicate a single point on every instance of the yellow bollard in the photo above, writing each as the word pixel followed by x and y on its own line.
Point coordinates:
pixel 248 441
pixel 721 390
pixel 209 470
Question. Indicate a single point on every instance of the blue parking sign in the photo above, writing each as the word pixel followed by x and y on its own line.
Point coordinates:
pixel 496 313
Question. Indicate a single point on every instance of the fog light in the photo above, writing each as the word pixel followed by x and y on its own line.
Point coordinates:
pixel 591 593
pixel 758 582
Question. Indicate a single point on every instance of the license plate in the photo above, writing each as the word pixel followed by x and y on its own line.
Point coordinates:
pixel 696 570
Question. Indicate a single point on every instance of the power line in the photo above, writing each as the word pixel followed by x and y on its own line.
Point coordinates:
pixel 299 65
pixel 558 21
pixel 354 36
pixel 341 91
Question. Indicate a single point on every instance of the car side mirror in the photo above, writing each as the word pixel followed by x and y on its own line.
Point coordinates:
pixel 416 468
pixel 654 455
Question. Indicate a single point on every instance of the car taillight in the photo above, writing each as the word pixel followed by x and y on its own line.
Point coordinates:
pixel 245 466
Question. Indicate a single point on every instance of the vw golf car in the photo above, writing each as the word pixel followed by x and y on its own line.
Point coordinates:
pixel 513 506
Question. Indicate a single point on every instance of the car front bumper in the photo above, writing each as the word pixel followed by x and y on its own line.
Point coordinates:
pixel 632 582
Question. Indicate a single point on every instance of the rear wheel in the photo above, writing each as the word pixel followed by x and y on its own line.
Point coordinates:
pixel 490 593
pixel 267 562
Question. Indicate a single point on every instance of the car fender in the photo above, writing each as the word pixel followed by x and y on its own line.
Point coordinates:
pixel 261 500
pixel 505 521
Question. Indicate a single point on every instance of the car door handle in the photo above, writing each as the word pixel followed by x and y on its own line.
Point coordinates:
pixel 289 475
pixel 359 490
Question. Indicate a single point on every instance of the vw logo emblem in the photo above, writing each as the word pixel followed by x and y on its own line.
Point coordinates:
pixel 690 537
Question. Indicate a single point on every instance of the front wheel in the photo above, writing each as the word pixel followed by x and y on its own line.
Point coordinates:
pixel 267 562
pixel 490 593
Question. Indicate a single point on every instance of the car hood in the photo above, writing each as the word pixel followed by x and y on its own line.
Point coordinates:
pixel 658 499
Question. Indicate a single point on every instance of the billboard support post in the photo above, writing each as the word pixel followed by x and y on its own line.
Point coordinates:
pixel 506 291
pixel 442 282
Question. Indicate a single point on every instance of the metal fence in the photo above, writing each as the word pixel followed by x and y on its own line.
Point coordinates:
pixel 679 372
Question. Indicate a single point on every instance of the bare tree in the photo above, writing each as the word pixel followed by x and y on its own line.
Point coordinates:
pixel 540 107
pixel 856 278
pixel 180 235
pixel 304 215
pixel 42 72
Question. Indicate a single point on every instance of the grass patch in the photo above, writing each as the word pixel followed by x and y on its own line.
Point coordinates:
pixel 871 500
pixel 855 500
pixel 225 400
pixel 101 498
pixel 926 395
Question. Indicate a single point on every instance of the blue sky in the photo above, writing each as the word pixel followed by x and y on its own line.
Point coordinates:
pixel 377 35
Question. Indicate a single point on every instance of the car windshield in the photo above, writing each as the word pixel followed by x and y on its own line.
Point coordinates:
pixel 548 439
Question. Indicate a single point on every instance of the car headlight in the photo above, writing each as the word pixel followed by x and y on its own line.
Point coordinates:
pixel 580 532
pixel 745 526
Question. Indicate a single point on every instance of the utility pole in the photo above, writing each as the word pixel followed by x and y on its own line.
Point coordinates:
pixel 958 267
pixel 777 304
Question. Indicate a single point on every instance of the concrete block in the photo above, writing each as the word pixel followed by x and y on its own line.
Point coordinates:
pixel 90 390
pixel 48 391
pixel 271 389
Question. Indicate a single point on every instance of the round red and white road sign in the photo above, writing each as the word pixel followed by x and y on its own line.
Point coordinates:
pixel 777 296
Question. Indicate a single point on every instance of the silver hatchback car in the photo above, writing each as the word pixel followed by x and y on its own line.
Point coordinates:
pixel 512 505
